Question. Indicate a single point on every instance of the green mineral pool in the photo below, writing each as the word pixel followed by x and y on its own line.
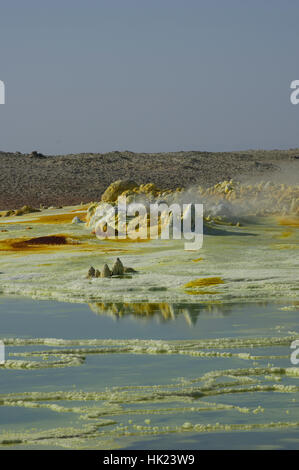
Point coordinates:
pixel 151 376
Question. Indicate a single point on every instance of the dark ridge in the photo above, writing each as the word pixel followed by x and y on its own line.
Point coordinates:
pixel 35 179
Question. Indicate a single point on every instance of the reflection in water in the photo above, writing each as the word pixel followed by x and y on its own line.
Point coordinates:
pixel 75 390
pixel 163 311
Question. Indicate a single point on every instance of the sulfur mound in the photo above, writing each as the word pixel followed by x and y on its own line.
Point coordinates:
pixel 106 271
pixel 118 268
pixel 91 272
pixel 117 188
pixel 22 211
pixel 225 203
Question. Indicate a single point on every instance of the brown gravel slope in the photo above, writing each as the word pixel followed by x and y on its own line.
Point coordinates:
pixel 71 179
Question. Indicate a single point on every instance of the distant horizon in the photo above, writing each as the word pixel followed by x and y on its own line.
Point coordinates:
pixel 158 152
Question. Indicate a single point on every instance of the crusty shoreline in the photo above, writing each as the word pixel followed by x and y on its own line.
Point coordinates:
pixel 70 179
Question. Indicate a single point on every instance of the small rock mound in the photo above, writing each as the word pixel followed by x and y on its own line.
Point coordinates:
pixel 106 271
pixel 26 210
pixel 118 268
pixel 129 270
pixel 91 272
pixel 76 220
pixel 22 211
pixel 35 154
pixel 8 213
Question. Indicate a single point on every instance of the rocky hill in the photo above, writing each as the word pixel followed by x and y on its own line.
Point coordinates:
pixel 36 179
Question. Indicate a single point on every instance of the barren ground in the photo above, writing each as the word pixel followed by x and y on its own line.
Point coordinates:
pixel 71 179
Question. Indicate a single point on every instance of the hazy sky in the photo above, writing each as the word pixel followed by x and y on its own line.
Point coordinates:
pixel 148 75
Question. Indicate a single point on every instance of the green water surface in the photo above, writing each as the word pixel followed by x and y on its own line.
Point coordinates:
pixel 160 391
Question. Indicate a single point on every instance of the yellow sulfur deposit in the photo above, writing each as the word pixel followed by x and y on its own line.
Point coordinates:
pixel 203 282
pixel 224 203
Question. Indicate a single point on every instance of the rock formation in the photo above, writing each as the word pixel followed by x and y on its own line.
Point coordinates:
pixel 116 189
pixel 106 271
pixel 118 268
pixel 76 220
pixel 91 272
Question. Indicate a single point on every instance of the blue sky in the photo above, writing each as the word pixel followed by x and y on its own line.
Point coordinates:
pixel 148 75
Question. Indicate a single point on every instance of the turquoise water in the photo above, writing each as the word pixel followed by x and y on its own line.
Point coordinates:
pixel 198 375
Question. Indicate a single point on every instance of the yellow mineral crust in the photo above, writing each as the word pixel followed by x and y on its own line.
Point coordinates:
pixel 112 414
pixel 260 199
pixel 204 281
